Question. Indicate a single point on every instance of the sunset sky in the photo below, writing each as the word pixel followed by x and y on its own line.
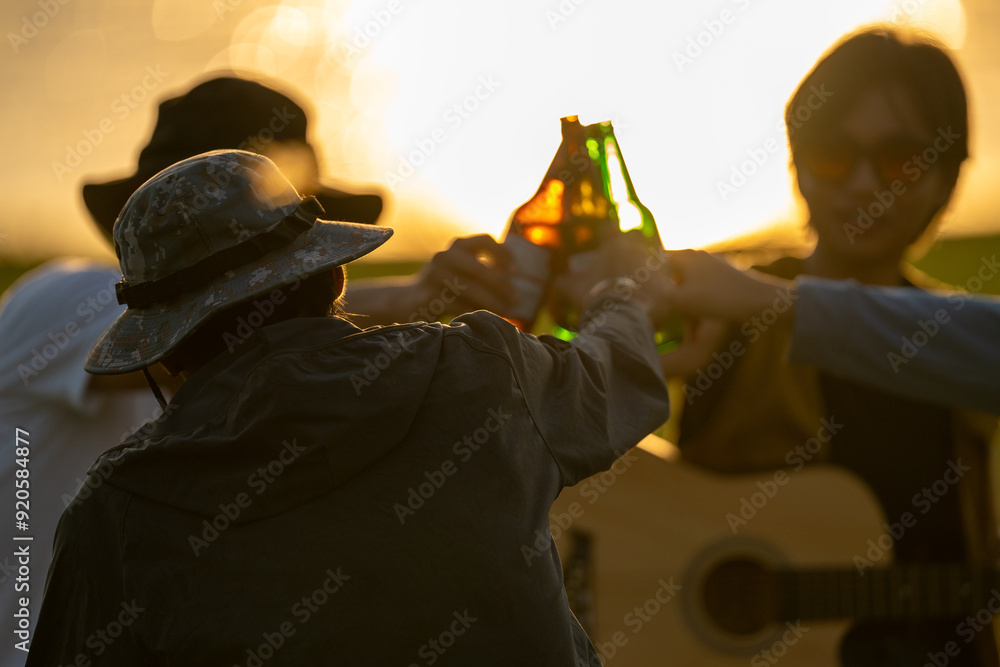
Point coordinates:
pixel 452 108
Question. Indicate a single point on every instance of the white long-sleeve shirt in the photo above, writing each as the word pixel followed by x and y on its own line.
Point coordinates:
pixel 53 424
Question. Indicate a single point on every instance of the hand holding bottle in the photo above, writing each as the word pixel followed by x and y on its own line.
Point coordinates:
pixel 470 275
pixel 624 267
pixel 711 295
pixel 707 286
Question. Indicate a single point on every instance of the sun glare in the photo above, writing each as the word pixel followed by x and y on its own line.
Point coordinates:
pixel 460 103
pixel 696 97
pixel 943 18
pixel 453 107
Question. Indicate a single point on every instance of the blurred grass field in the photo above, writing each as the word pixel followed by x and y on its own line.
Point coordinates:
pixel 11 269
pixel 952 261
pixel 958 261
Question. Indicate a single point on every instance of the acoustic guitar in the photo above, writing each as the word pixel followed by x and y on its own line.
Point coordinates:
pixel 667 563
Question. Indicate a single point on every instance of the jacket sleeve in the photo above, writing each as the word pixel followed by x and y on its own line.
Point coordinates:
pixel 940 348
pixel 594 398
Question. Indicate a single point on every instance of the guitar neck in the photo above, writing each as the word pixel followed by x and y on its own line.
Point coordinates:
pixel 890 593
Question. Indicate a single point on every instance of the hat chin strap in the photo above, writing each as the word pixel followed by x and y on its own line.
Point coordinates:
pixel 156 389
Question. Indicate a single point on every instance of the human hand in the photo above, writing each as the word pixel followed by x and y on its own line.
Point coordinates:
pixel 624 256
pixel 707 286
pixel 700 339
pixel 470 275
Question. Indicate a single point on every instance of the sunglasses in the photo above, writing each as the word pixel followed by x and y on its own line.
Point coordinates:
pixel 835 159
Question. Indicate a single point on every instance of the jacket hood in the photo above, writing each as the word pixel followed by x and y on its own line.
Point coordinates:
pixel 298 409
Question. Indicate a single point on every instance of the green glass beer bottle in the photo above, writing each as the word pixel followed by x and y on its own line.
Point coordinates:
pixel 632 215
pixel 631 212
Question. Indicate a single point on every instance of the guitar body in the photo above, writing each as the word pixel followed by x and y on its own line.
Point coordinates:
pixel 673 584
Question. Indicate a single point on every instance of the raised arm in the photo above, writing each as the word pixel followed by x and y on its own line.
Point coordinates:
pixel 943 348
pixel 455 281
pixel 938 347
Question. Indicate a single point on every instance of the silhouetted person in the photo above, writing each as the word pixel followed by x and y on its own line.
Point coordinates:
pixel 59 418
pixel 232 112
pixel 326 494
pixel 878 132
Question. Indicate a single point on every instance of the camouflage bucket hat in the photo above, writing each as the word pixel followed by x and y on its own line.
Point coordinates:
pixel 205 234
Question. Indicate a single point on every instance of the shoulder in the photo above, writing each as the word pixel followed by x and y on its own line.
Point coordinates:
pixel 486 335
pixel 914 277
pixel 485 327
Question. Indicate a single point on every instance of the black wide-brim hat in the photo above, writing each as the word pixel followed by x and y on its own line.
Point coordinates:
pixel 224 113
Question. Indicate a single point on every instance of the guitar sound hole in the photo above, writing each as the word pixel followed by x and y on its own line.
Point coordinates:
pixel 740 596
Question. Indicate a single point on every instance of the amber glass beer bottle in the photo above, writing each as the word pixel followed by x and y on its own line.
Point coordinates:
pixel 625 213
pixel 570 214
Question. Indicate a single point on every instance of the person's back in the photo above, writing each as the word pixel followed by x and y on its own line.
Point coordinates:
pixel 325 493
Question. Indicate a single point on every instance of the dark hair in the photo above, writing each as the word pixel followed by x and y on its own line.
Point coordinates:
pixel 878 56
pixel 319 295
